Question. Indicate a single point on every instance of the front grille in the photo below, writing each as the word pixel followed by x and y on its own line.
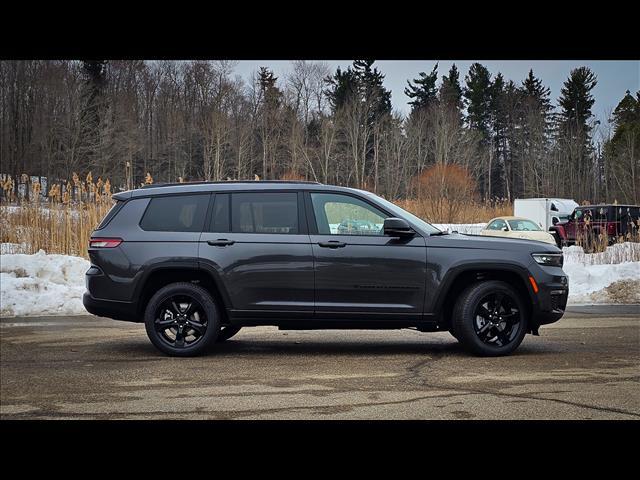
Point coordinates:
pixel 559 300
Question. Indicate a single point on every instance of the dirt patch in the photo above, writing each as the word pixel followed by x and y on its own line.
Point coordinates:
pixel 624 291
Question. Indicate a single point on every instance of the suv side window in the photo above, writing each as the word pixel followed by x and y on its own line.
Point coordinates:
pixel 175 213
pixel 338 214
pixel 271 212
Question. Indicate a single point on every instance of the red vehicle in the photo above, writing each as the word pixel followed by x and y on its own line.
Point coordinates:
pixel 590 221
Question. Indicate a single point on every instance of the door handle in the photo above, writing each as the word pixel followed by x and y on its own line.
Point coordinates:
pixel 221 242
pixel 332 244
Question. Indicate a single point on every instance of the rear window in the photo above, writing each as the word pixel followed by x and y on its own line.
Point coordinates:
pixel 110 214
pixel 264 212
pixel 178 213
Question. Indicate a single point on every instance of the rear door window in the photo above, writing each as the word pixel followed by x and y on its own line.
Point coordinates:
pixel 271 212
pixel 176 213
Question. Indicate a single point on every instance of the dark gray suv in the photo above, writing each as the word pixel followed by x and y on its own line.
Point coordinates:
pixel 196 262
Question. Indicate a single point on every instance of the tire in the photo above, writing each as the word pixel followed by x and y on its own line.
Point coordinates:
pixel 226 333
pixel 171 317
pixel 557 239
pixel 490 319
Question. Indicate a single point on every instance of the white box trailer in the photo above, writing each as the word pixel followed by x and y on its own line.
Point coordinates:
pixel 544 211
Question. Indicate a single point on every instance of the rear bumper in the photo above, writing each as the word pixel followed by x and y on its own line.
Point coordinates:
pixel 126 311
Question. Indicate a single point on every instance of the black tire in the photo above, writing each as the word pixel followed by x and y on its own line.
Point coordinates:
pixel 490 319
pixel 178 312
pixel 557 239
pixel 226 332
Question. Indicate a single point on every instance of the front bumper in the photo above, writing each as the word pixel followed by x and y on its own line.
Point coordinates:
pixel 552 296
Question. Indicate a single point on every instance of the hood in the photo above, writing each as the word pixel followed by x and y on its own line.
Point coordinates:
pixel 539 236
pixel 458 240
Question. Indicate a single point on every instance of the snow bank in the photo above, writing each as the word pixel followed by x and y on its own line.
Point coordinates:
pixel 468 228
pixel 41 284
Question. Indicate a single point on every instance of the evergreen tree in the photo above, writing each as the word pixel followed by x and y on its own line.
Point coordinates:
pixel 576 100
pixel 423 90
pixel 574 130
pixel 536 93
pixel 478 98
pixel 272 95
pixel 343 88
pixel 626 113
pixel 450 92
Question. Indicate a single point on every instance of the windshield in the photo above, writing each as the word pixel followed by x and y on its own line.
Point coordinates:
pixel 401 212
pixel 524 225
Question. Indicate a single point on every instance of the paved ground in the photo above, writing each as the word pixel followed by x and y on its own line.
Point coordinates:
pixel 587 366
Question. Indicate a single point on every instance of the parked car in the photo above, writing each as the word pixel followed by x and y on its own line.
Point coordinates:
pixel 198 262
pixel 517 227
pixel 591 221
pixel 358 227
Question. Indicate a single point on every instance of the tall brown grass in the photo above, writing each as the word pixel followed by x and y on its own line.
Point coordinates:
pixel 469 212
pixel 62 223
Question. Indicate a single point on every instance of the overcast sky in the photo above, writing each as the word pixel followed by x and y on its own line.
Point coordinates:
pixel 614 77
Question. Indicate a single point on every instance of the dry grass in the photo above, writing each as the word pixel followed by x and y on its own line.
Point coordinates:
pixel 471 212
pixel 54 228
pixel 60 223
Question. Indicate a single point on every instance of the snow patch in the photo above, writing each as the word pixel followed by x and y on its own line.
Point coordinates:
pixel 41 284
pixel 468 228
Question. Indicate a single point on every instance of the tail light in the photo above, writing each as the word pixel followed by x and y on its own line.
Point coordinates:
pixel 104 242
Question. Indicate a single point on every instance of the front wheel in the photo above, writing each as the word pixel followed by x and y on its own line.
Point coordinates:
pixel 182 319
pixel 490 319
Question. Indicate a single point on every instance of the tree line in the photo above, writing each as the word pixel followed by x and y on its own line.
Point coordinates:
pixel 197 120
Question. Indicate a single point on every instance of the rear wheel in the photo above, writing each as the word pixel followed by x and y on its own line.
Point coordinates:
pixel 182 319
pixel 490 319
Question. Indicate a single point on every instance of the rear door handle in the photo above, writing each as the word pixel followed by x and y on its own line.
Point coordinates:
pixel 332 244
pixel 221 242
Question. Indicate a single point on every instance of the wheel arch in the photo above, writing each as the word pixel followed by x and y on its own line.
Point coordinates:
pixel 162 275
pixel 458 279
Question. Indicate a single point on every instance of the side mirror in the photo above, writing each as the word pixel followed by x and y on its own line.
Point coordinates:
pixel 505 229
pixel 397 227
pixel 554 220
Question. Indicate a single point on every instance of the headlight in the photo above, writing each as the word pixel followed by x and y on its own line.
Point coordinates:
pixel 549 259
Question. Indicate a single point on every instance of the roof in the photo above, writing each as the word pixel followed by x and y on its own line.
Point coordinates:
pixel 229 186
pixel 507 217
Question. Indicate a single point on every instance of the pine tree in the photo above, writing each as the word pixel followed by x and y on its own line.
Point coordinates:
pixel 478 95
pixel 576 99
pixel 450 93
pixel 423 90
pixel 536 93
pixel 534 123
pixel 478 98
pixel 343 88
pixel 272 95
pixel 574 130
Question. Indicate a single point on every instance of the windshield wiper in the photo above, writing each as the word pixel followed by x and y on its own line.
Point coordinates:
pixel 438 233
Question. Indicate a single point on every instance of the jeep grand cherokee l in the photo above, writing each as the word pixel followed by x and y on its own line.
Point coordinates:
pixel 197 262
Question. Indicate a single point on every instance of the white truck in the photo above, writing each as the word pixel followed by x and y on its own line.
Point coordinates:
pixel 544 211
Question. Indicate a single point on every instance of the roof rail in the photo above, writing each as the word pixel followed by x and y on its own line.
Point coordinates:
pixel 154 185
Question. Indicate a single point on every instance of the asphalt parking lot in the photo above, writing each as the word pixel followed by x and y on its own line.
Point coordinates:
pixel 587 366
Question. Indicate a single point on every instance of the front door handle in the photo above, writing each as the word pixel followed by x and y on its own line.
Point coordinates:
pixel 221 242
pixel 332 244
